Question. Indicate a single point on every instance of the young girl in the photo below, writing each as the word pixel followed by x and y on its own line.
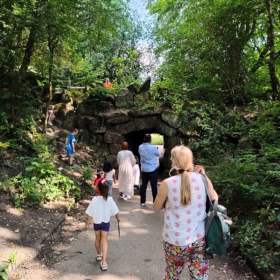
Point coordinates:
pixel 109 175
pixel 100 210
pixel 99 175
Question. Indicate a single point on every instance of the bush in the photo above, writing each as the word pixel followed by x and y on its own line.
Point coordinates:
pixel 40 183
pixel 87 174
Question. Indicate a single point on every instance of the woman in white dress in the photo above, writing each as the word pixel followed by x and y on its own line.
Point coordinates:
pixel 126 162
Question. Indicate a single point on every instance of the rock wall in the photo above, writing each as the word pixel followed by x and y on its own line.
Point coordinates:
pixel 107 128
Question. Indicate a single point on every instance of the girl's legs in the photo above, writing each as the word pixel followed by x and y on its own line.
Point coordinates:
pixel 104 241
pixel 98 242
pixel 110 182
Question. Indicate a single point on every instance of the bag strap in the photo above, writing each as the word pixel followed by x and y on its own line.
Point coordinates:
pixel 214 205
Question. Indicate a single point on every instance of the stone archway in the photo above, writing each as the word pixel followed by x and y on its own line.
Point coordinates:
pixel 138 122
pixel 106 129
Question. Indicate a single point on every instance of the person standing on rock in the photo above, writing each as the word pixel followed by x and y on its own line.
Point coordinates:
pixel 183 197
pixel 71 145
pixel 126 162
pixel 148 154
pixel 51 115
pixel 107 83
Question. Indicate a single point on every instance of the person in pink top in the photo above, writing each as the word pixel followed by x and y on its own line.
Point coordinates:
pixel 184 198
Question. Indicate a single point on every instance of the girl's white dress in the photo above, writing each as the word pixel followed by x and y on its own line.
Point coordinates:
pixel 126 162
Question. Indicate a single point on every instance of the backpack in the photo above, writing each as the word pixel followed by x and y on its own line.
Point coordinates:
pixel 217 224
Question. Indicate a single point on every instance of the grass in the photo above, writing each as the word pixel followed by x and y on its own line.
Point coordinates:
pixel 157 139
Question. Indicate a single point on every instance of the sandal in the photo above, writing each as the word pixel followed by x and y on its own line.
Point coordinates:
pixel 103 267
pixel 99 257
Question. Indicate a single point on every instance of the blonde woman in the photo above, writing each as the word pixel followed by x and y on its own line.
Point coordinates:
pixel 184 198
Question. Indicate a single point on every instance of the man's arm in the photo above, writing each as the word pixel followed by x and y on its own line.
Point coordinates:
pixel 157 153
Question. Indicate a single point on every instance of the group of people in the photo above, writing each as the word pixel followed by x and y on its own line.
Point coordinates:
pixel 129 173
pixel 182 196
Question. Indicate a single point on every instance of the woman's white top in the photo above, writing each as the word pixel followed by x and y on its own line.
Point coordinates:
pixel 101 210
pixel 109 175
pixel 184 225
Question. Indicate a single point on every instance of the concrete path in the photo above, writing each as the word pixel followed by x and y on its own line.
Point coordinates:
pixel 139 252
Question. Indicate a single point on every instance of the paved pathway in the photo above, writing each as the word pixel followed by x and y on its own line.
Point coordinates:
pixel 138 254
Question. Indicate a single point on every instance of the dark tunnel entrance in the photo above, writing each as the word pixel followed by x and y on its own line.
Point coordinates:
pixel 135 139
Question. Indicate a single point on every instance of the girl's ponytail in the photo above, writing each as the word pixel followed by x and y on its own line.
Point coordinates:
pixel 103 188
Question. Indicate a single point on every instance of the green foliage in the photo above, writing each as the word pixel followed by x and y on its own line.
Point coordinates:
pixel 87 174
pixel 247 180
pixel 3 274
pixel 40 183
pixel 216 45
pixel 11 260
pixel 100 97
pixel 157 139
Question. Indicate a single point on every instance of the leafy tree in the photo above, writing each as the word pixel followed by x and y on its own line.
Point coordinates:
pixel 219 45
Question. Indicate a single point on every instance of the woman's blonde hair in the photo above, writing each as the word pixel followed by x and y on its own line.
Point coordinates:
pixel 182 161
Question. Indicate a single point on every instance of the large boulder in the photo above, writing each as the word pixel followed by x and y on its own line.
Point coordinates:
pixel 63 109
pixel 62 134
pixel 125 98
pixel 93 124
pixel 171 118
pixel 171 142
pixel 113 138
pixel 114 160
pixel 56 95
pixel 126 128
pixel 69 121
pixel 66 97
pixel 149 111
pixel 165 129
pixel 80 122
pixel 133 87
pixel 114 148
pixel 145 86
pixel 146 123
pixel 117 116
pixel 144 96
pixel 190 131
pixel 101 111
pixel 102 151
pixel 85 109
pixel 84 136
pixel 100 138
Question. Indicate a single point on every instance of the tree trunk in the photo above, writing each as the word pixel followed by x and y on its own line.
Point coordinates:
pixel 50 88
pixel 271 43
pixel 28 50
pixel 23 68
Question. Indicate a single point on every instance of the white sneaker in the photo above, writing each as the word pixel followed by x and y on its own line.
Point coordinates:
pixel 103 267
pixel 125 198
pixel 50 123
pixel 99 257
pixel 143 204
